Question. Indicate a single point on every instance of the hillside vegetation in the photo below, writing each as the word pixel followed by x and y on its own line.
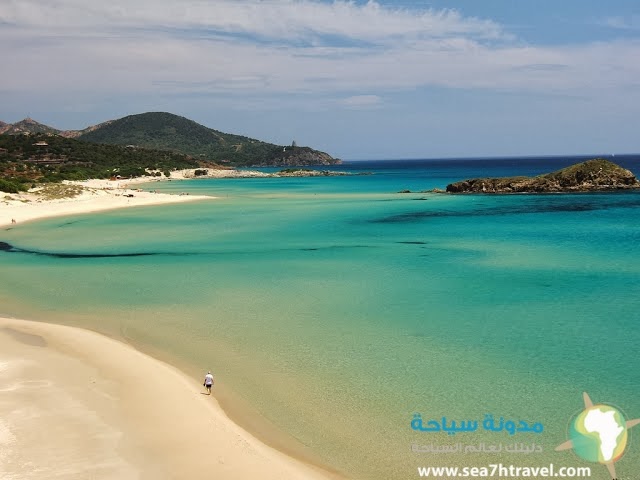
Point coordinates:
pixel 593 175
pixel 24 162
pixel 165 131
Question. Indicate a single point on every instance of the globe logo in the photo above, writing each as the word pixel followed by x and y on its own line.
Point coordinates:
pixel 599 434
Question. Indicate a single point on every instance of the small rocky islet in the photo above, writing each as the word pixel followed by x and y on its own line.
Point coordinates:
pixel 590 176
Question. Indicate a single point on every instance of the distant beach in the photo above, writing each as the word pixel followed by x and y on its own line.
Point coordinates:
pixel 89 196
pixel 102 194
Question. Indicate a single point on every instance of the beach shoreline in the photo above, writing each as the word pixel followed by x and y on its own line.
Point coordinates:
pixel 102 406
pixel 96 195
pixel 103 195
pixel 87 196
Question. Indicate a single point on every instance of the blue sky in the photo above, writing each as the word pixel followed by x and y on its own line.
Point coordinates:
pixel 360 80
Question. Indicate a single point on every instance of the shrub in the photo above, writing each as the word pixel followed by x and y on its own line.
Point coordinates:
pixel 11 187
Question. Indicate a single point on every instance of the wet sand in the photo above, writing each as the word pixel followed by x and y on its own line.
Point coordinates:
pixel 75 404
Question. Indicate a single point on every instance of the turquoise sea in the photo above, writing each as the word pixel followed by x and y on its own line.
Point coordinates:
pixel 333 309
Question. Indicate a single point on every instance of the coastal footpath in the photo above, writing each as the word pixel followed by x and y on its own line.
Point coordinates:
pixel 591 176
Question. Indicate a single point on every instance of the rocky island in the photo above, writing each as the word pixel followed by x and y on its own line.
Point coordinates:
pixel 590 176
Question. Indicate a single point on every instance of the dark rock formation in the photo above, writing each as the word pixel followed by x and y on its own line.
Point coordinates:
pixel 26 126
pixel 296 156
pixel 589 176
pixel 301 172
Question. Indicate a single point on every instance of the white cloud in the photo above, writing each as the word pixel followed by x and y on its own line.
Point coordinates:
pixel 275 19
pixel 283 46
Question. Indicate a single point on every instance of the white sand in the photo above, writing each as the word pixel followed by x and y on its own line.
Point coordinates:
pixel 75 404
pixel 97 195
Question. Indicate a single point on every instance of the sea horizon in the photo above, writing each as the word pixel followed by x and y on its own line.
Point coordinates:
pixel 446 158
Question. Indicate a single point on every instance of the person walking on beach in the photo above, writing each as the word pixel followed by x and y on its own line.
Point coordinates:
pixel 208 382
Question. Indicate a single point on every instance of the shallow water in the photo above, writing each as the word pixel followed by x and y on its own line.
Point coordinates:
pixel 338 308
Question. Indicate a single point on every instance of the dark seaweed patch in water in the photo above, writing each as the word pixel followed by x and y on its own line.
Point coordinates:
pixel 7 247
pixel 66 224
pixel 334 247
pixel 585 205
pixel 409 242
pixel 93 255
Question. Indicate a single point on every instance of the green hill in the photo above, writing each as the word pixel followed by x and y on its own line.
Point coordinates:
pixel 165 131
pixel 37 158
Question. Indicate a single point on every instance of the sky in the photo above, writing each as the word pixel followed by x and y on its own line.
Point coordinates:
pixel 357 79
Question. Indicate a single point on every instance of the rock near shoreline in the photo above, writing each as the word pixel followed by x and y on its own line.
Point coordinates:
pixel 590 176
pixel 234 173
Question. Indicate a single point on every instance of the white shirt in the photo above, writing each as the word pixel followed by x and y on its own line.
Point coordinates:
pixel 208 379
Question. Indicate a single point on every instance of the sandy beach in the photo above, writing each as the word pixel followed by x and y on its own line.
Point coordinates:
pixel 88 196
pixel 75 404
pixel 98 195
